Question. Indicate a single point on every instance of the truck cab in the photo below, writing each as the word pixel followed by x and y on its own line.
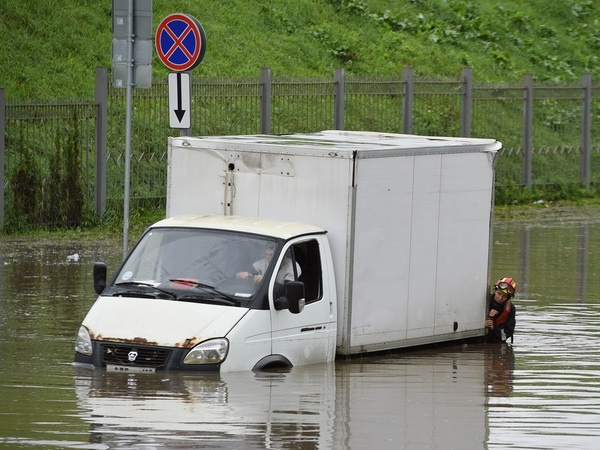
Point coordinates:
pixel 214 293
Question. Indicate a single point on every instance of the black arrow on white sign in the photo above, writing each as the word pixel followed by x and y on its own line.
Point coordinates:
pixel 179 100
pixel 179 112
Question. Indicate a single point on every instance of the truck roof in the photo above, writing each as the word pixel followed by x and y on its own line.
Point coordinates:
pixel 254 225
pixel 362 144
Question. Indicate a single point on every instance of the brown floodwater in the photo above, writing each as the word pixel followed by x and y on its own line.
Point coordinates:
pixel 542 391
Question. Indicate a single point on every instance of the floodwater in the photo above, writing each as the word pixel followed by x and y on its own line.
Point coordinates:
pixel 541 392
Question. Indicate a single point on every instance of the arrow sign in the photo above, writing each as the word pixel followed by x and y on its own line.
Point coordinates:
pixel 179 100
pixel 179 112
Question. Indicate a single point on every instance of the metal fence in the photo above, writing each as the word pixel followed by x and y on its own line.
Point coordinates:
pixel 37 138
pixel 546 130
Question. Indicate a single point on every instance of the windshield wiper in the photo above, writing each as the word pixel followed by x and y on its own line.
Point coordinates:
pixel 145 286
pixel 224 300
pixel 205 287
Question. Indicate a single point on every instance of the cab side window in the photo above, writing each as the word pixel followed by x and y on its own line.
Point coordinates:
pixel 308 258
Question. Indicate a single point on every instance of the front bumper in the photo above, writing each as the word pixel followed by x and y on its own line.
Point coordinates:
pixel 120 357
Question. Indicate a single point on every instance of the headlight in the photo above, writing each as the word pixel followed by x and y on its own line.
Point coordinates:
pixel 83 344
pixel 209 352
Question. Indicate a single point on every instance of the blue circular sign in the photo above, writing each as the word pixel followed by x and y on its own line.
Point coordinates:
pixel 180 42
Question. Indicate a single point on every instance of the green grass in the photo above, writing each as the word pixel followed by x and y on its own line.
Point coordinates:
pixel 51 47
pixel 109 226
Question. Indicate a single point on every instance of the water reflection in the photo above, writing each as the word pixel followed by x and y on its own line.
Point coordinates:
pixel 541 392
pixel 499 367
pixel 414 400
pixel 580 256
pixel 410 400
pixel 236 410
pixel 556 381
pixel 553 257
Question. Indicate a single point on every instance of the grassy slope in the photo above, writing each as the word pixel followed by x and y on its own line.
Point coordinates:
pixel 50 47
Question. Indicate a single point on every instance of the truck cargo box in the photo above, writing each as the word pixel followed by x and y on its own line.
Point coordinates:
pixel 408 219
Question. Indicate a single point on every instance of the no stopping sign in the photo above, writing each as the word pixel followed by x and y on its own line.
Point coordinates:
pixel 180 42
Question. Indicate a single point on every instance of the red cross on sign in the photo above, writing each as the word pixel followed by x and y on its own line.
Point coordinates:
pixel 180 42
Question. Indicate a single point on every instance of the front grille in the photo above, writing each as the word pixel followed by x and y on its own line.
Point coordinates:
pixel 131 355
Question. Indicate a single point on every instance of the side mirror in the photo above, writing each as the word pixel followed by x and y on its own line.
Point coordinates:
pixel 295 295
pixel 99 277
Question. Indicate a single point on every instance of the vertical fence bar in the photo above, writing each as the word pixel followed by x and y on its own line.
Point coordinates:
pixel 265 101
pixel 338 98
pixel 528 130
pixel 466 102
pixel 2 124
pixel 101 90
pixel 408 76
pixel 586 131
pixel 525 260
pixel 583 251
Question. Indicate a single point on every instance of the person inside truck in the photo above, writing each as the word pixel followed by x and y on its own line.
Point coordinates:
pixel 501 319
pixel 285 273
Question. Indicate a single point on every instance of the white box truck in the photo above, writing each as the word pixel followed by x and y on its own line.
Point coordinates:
pixel 287 250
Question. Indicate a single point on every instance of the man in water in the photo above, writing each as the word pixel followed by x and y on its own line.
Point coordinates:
pixel 501 318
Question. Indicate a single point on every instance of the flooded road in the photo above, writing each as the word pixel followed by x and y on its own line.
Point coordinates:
pixel 541 392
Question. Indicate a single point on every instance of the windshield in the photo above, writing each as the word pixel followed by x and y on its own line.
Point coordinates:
pixel 194 264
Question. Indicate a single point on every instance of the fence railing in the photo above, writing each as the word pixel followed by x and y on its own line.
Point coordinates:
pixel 546 129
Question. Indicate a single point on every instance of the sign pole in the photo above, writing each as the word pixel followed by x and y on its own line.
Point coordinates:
pixel 128 131
pixel 132 67
pixel 188 131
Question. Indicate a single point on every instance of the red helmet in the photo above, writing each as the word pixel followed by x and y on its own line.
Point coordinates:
pixel 507 285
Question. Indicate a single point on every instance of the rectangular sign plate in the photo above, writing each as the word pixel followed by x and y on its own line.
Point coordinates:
pixel 179 100
pixel 129 369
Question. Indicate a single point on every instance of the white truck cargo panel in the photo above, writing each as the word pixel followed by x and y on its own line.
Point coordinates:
pixel 408 219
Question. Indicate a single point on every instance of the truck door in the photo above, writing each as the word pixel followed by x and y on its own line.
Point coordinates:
pixel 309 336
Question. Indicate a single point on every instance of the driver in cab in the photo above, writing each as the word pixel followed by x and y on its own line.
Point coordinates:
pixel 286 271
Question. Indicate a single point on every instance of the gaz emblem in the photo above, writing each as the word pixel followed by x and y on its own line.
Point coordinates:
pixel 132 355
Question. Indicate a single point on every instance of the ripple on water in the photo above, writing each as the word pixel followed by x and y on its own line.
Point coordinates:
pixel 556 388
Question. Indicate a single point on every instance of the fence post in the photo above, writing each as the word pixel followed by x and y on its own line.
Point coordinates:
pixel 407 99
pixel 338 96
pixel 527 129
pixel 265 101
pixel 101 90
pixel 466 102
pixel 586 131
pixel 2 124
